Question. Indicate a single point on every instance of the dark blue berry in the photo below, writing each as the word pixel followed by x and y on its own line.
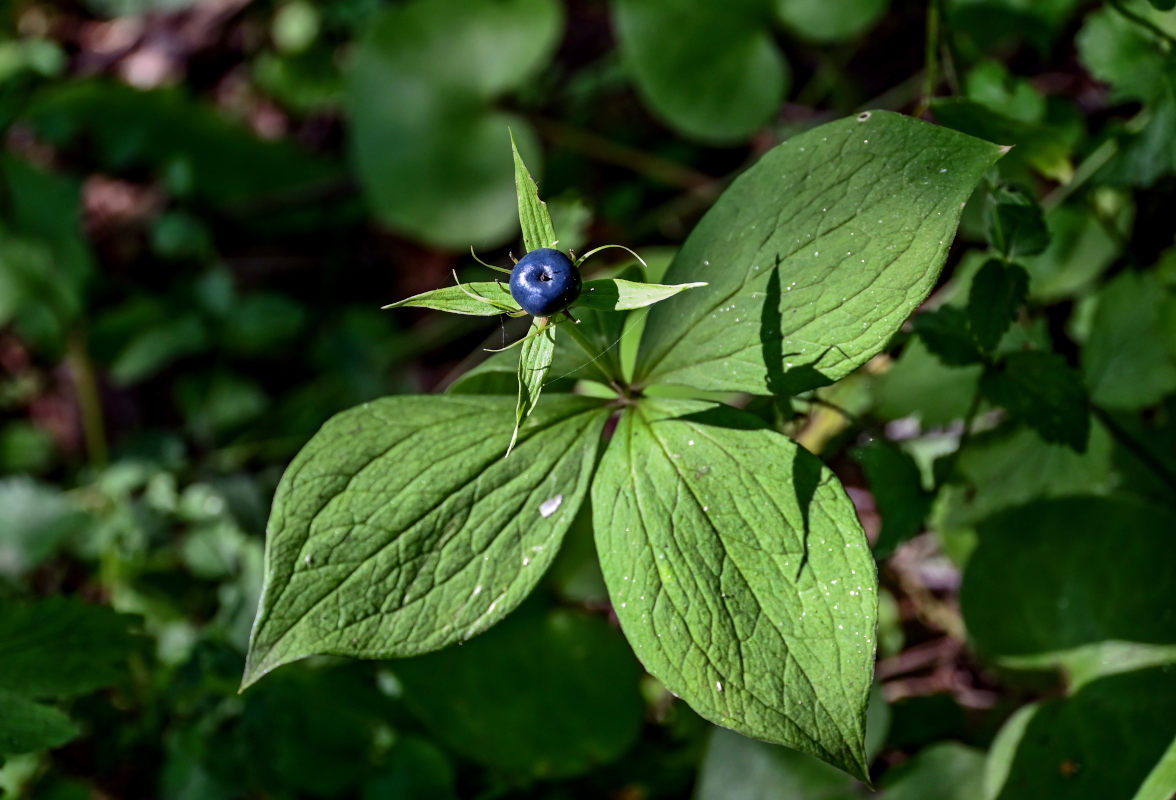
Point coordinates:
pixel 545 281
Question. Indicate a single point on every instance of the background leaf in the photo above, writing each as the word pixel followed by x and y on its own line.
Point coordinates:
pixel 430 148
pixel 722 97
pixel 28 726
pixel 740 575
pixel 814 257
pixel 61 647
pixel 1127 362
pixel 817 21
pixel 1060 748
pixel 1044 392
pixel 1056 574
pixel 997 291
pixel 547 693
pixel 401 529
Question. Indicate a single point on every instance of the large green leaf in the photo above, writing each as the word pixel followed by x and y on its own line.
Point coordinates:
pixel 1102 742
pixel 710 69
pixel 545 693
pixel 400 528
pixel 430 150
pixel 814 257
pixel 740 574
pixel 1057 574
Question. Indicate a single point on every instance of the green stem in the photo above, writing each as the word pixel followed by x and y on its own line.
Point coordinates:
pixel 610 152
pixel 88 397
pixel 589 347
pixel 931 58
pixel 1162 470
pixel 1165 38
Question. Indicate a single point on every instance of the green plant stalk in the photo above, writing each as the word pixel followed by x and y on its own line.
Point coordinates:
pixel 589 348
pixel 654 167
pixel 931 57
pixel 89 399
pixel 1162 471
pixel 1166 39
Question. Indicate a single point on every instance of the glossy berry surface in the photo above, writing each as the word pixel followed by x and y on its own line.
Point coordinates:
pixel 545 281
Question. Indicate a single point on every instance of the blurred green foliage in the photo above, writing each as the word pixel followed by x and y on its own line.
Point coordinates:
pixel 203 205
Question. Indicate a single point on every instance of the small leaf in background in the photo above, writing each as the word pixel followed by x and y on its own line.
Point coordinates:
pixel 192 148
pixel 946 334
pixel 415 768
pixel 548 693
pixel 740 575
pixel 1117 50
pixel 400 528
pixel 1081 247
pixel 425 134
pixel 534 219
pixel 37 519
pixel 1015 224
pixel 617 294
pixel 61 647
pixel 477 299
pixel 1056 574
pixel 898 491
pixel 1012 465
pixel 538 351
pixel 1040 147
pixel 1064 748
pixel 998 290
pixel 1128 361
pixel 817 21
pixel 723 97
pixel 920 385
pixel 1045 393
pixel 814 257
pixel 945 771
pixel 28 726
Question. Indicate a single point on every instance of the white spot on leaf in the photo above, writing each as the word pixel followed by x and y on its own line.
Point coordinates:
pixel 549 507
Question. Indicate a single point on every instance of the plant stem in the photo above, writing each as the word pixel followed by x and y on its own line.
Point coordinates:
pixel 610 152
pixel 88 397
pixel 1165 38
pixel 931 58
pixel 1161 470
pixel 589 348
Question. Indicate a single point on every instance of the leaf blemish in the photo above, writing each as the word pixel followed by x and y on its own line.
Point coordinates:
pixel 549 507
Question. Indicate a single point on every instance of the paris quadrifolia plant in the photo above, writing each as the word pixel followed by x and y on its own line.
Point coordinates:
pixel 733 557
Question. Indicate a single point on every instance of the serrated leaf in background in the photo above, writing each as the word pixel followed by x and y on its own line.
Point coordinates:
pixel 998 290
pixel 1044 392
